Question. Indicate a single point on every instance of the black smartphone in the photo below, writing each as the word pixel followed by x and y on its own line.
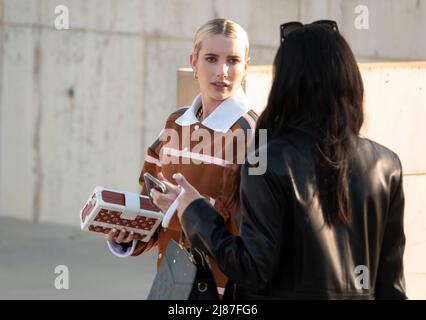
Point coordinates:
pixel 152 182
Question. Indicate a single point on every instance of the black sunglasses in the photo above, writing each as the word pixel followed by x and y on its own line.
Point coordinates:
pixel 289 27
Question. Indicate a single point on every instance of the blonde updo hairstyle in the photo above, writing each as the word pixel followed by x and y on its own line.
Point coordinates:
pixel 226 27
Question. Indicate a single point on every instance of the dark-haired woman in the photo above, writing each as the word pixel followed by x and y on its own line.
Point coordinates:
pixel 325 221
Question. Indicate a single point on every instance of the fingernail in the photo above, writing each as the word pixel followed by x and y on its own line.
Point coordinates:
pixel 177 176
pixel 131 232
pixel 114 230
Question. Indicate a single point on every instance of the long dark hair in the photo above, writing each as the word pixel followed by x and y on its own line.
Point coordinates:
pixel 317 88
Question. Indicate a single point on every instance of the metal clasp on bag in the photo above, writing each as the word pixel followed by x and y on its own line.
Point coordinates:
pixel 191 258
pixel 202 289
pixel 190 255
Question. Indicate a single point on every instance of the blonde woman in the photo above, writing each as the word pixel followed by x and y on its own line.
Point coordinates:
pixel 219 58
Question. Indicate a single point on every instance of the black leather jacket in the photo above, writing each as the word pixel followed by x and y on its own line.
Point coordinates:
pixel 286 250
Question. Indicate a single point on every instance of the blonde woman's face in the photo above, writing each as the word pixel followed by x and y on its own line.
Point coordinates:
pixel 220 66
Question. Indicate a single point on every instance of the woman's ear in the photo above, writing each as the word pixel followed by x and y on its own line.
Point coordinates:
pixel 193 61
pixel 247 63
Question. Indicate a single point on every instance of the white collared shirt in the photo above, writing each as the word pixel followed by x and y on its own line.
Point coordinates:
pixel 223 117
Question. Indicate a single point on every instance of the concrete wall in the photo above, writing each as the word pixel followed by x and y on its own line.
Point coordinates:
pixel 396 111
pixel 78 107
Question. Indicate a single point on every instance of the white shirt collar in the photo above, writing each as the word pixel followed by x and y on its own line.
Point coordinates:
pixel 223 117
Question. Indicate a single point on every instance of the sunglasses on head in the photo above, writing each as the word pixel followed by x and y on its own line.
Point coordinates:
pixel 289 27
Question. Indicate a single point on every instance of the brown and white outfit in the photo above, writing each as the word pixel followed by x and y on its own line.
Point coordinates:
pixel 210 172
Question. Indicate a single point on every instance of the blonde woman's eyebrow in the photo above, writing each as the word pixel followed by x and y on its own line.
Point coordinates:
pixel 214 55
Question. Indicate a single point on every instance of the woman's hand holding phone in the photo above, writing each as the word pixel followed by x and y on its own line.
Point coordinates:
pixel 164 200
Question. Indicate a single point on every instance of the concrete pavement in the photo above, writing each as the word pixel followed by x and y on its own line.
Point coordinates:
pixel 30 252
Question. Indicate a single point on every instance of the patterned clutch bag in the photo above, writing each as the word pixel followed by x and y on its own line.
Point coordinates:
pixel 107 209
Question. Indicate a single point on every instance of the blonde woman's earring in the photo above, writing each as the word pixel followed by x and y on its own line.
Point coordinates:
pixel 243 82
pixel 195 75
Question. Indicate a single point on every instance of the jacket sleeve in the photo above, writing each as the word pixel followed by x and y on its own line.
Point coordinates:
pixel 390 283
pixel 152 165
pixel 250 259
pixel 221 202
